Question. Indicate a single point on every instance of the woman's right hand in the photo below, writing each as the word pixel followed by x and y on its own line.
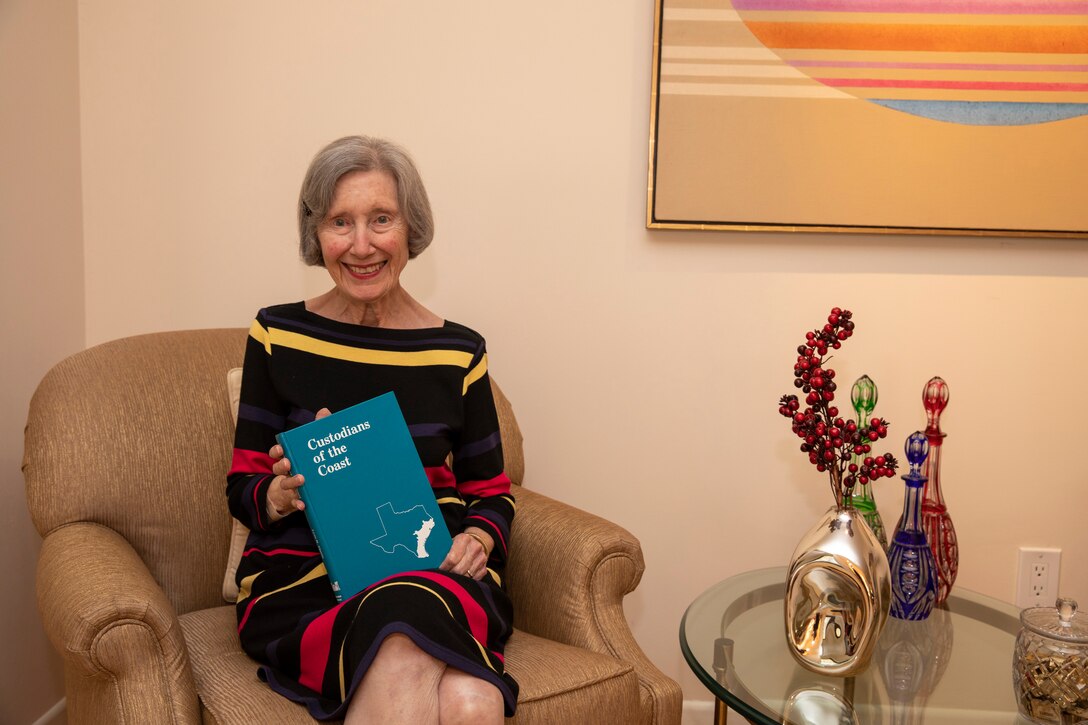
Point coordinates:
pixel 283 495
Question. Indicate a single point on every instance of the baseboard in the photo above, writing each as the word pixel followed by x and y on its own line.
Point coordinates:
pixel 55 715
pixel 698 712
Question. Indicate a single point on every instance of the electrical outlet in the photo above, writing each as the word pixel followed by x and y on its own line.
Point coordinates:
pixel 1037 582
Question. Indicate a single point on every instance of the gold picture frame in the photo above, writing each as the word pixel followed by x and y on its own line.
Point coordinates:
pixel 748 136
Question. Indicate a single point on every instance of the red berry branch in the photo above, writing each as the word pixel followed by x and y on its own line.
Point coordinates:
pixel 839 446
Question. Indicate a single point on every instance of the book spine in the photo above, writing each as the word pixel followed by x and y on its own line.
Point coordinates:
pixel 310 519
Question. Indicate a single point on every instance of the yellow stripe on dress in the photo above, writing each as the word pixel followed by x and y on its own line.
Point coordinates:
pixel 246 586
pixel 476 373
pixel 260 334
pixel 304 343
pixel 507 498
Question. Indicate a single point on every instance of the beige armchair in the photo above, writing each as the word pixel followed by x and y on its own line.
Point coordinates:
pixel 127 445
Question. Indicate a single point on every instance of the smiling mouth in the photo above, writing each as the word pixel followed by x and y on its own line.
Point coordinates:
pixel 365 271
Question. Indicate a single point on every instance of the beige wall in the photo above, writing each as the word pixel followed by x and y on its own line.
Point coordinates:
pixel 644 366
pixel 41 303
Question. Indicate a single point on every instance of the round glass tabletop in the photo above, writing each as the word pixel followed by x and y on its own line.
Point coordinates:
pixel 954 667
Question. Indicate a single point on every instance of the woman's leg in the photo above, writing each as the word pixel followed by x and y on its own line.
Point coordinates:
pixel 404 684
pixel 400 686
pixel 467 700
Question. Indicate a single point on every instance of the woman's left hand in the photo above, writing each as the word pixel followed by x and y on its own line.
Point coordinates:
pixel 469 553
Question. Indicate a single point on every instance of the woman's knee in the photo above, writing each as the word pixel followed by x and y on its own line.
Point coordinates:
pixel 399 653
pixel 463 698
pixel 400 644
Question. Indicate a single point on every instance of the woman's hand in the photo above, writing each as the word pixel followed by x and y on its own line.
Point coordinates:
pixel 469 553
pixel 283 495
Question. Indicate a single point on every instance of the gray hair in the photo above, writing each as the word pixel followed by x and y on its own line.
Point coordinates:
pixel 361 153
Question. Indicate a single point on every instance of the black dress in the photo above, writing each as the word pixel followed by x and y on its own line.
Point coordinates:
pixel 313 649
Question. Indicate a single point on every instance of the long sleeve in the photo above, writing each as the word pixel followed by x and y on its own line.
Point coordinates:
pixel 261 415
pixel 478 461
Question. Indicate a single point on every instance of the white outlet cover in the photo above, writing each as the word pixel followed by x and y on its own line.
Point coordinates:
pixel 1038 576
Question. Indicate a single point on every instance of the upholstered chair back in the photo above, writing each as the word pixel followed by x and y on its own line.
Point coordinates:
pixel 149 459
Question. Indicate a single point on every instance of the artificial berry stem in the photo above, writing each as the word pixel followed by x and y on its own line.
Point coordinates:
pixel 839 446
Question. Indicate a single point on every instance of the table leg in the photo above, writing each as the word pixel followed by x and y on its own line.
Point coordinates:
pixel 723 661
pixel 721 712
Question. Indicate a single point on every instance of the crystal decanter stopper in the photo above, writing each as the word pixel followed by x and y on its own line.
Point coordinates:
pixel 914 573
pixel 936 522
pixel 863 395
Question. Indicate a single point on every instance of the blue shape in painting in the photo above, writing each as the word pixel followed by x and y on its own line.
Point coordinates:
pixel 989 113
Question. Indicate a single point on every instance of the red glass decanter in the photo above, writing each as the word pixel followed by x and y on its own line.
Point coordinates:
pixel 936 522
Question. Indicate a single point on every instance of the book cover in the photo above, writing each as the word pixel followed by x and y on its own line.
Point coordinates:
pixel 368 500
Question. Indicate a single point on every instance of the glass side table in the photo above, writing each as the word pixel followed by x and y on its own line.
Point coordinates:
pixel 953 668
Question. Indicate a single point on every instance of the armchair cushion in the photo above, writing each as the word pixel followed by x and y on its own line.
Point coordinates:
pixel 556 691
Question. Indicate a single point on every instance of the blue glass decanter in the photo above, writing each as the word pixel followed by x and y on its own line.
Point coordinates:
pixel 863 395
pixel 914 572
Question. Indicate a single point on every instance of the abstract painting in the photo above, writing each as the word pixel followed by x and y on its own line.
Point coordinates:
pixel 901 116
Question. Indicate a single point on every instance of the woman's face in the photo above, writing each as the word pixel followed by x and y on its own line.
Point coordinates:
pixel 364 239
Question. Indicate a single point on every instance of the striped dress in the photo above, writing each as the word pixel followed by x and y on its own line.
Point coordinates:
pixel 312 649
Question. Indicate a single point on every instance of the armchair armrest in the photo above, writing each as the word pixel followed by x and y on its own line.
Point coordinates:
pixel 567 574
pixel 123 649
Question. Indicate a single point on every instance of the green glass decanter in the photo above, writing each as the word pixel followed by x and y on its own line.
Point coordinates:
pixel 863 396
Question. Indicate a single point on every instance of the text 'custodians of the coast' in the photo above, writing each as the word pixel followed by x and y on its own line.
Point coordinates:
pixel 327 448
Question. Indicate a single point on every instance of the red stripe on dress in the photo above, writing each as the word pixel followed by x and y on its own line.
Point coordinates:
pixel 244 461
pixel 496 486
pixel 257 502
pixel 314 649
pixel 249 608
pixel 270 552
pixel 245 617
pixel 490 527
pixel 440 476
pixel 474 613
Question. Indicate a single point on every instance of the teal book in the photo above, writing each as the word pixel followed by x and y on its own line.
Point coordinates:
pixel 368 500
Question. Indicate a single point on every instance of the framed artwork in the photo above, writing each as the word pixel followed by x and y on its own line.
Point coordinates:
pixel 958 117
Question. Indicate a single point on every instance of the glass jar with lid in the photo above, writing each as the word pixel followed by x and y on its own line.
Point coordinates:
pixel 1050 664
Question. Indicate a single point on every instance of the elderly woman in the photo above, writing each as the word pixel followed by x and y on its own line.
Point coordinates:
pixel 414 648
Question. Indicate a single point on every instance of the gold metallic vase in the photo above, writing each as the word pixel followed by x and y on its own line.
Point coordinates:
pixel 838 591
